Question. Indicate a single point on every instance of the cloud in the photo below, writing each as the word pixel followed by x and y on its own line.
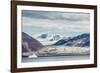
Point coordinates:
pixel 53 15
pixel 56 21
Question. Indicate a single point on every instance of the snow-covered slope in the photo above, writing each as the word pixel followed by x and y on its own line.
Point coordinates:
pixel 47 39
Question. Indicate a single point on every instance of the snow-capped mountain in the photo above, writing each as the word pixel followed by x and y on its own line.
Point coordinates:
pixel 48 39
pixel 43 36
pixel 44 46
pixel 82 40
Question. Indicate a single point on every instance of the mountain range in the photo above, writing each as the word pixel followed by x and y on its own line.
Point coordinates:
pixel 82 40
pixel 32 45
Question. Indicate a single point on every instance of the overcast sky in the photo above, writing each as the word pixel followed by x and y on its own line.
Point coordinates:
pixel 65 23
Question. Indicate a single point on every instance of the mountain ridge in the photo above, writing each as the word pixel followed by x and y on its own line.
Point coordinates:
pixel 82 40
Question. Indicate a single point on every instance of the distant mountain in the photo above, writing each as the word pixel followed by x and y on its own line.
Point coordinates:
pixel 43 36
pixel 48 36
pixel 49 39
pixel 82 40
pixel 56 37
pixel 62 41
pixel 29 43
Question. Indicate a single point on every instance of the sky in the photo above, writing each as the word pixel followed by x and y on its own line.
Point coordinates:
pixel 51 22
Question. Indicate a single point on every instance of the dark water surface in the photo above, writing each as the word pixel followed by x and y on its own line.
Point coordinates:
pixel 55 58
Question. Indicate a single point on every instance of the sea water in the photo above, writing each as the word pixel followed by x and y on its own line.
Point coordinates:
pixel 56 58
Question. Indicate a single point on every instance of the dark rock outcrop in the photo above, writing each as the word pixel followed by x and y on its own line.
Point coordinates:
pixel 29 43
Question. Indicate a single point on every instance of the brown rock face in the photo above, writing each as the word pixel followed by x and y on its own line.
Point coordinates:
pixel 29 43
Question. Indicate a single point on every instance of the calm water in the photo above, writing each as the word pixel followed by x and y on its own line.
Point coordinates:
pixel 55 58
